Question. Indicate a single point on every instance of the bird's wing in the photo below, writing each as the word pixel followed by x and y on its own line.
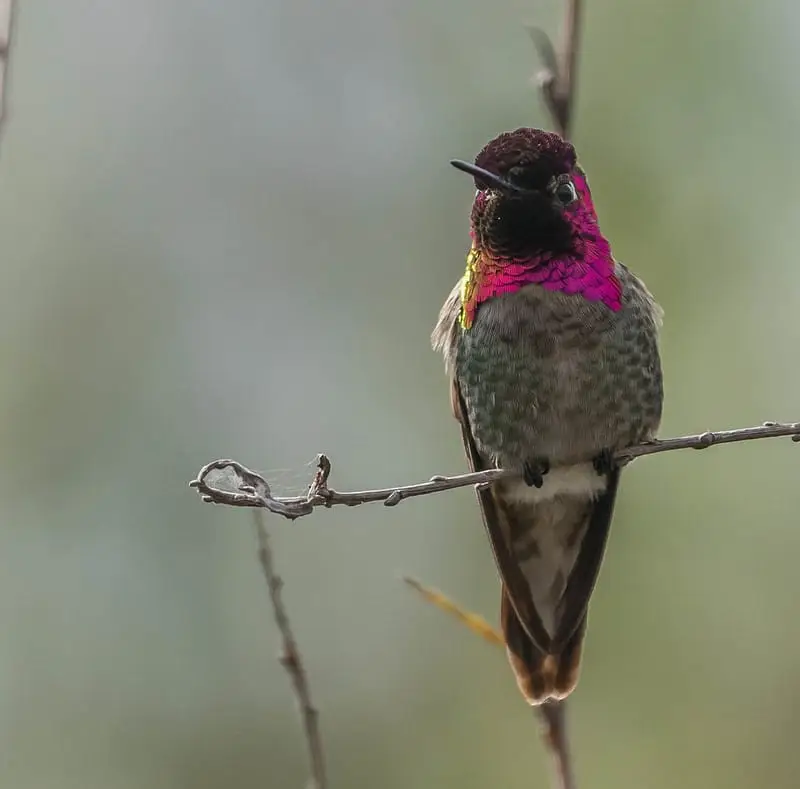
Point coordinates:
pixel 499 528
pixel 543 624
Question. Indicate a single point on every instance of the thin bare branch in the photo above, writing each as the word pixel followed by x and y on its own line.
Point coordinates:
pixel 553 715
pixel 569 54
pixel 558 77
pixel 291 659
pixel 7 17
pixel 241 487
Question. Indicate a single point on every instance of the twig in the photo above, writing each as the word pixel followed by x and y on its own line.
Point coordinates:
pixel 553 715
pixel 252 490
pixel 557 79
pixel 474 622
pixel 7 17
pixel 291 658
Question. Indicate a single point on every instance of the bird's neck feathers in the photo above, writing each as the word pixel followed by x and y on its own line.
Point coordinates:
pixel 587 271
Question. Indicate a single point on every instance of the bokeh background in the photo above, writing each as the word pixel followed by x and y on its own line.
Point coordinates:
pixel 226 230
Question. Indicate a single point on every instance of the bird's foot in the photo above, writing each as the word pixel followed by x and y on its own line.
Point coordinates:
pixel 534 470
pixel 604 463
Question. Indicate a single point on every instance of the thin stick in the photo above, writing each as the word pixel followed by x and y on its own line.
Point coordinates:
pixel 291 659
pixel 558 77
pixel 569 63
pixel 553 715
pixel 7 18
pixel 252 490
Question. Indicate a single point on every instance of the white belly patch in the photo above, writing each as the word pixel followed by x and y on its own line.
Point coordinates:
pixel 579 481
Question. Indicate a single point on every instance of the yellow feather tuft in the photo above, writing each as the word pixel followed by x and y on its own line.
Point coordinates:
pixel 469 284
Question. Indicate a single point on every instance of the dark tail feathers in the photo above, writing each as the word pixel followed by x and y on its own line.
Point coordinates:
pixel 540 676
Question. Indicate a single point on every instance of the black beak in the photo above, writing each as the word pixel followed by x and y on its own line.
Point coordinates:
pixel 490 179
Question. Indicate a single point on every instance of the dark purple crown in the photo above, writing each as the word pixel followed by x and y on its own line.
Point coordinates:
pixel 541 154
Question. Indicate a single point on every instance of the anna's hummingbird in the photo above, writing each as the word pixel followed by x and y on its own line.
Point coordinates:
pixel 551 346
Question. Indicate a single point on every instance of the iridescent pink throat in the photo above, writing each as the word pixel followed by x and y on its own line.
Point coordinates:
pixel 588 272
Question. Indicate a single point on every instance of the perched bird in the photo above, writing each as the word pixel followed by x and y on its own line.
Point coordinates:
pixel 551 347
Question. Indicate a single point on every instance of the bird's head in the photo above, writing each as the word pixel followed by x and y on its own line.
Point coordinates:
pixel 533 220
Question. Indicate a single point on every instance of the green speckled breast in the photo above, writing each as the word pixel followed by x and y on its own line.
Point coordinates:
pixel 550 374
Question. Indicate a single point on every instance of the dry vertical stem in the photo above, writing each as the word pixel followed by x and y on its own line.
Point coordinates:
pixel 291 659
pixel 569 61
pixel 553 715
pixel 7 14
pixel 558 77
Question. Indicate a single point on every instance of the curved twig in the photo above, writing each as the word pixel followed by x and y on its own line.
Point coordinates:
pixel 250 489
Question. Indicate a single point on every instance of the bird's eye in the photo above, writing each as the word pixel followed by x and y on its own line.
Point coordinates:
pixel 565 193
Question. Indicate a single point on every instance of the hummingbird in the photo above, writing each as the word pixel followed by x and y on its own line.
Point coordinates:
pixel 551 347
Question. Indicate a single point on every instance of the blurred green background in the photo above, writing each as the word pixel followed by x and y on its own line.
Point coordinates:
pixel 226 231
